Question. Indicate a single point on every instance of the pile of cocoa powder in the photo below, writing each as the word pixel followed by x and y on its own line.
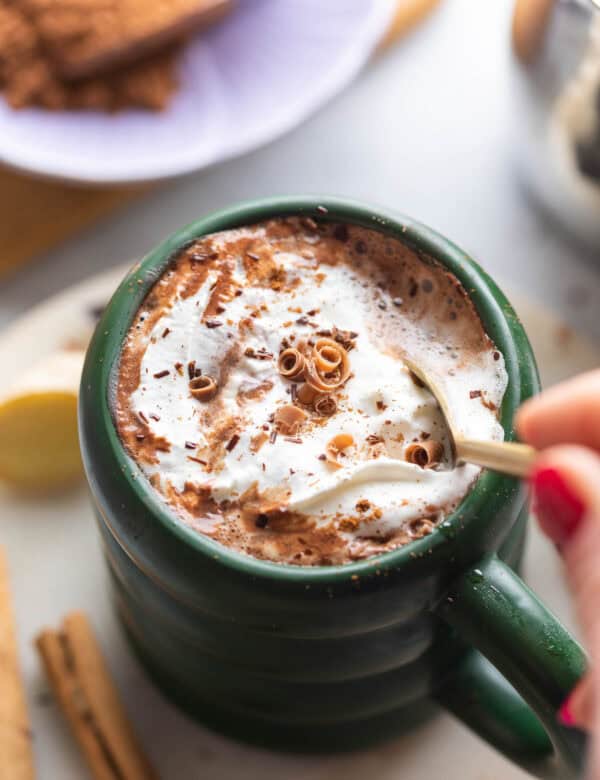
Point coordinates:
pixel 45 48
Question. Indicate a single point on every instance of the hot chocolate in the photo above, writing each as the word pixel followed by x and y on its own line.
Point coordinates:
pixel 263 394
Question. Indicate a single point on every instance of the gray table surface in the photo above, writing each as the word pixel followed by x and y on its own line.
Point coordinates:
pixel 430 129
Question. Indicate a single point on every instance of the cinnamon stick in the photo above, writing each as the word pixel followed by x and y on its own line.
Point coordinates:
pixel 16 759
pixel 82 684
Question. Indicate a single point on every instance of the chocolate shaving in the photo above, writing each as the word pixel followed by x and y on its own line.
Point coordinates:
pixel 232 442
pixel 143 417
pixel 263 354
pixel 191 368
pixel 166 332
pixel 197 460
pixel 155 417
pixel 202 257
pixel 190 445
pixel 475 394
pixel 161 374
pixel 340 232
pixel 252 256
pixel 261 521
pixel 419 527
pixel 213 323
pixel 309 223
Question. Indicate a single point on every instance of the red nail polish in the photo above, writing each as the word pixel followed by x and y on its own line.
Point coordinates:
pixel 558 510
pixel 565 716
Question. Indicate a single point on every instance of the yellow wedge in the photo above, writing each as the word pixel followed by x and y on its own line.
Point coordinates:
pixel 39 447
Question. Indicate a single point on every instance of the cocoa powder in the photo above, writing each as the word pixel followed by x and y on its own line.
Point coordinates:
pixel 96 54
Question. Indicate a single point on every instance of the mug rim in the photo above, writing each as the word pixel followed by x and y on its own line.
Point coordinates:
pixel 499 320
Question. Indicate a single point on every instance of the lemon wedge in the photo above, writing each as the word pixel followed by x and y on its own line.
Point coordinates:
pixel 39 447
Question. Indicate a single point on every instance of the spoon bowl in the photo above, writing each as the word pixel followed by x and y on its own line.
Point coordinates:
pixel 507 457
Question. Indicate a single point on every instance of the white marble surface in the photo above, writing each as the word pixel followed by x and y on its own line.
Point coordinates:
pixel 427 129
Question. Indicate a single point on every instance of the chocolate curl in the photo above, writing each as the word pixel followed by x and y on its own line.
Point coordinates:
pixel 419 527
pixel 337 445
pixel 327 355
pixel 325 405
pixel 426 455
pixel 326 381
pixel 203 388
pixel 291 364
pixel 289 419
pixel 306 394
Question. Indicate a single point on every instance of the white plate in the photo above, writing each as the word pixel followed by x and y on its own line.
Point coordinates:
pixel 56 566
pixel 258 74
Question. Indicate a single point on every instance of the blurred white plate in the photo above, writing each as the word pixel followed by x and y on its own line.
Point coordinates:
pixel 258 74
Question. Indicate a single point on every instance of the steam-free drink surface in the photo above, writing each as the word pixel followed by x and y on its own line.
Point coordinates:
pixel 262 390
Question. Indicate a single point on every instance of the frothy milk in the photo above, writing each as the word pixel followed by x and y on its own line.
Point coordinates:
pixel 246 454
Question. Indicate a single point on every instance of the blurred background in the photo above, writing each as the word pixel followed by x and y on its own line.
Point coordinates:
pixel 434 127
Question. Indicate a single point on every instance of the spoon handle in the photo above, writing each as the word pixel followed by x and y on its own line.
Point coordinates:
pixel 507 457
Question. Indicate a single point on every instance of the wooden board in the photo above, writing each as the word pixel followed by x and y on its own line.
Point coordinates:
pixel 37 214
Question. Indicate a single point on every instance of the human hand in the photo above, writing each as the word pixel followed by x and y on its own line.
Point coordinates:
pixel 564 424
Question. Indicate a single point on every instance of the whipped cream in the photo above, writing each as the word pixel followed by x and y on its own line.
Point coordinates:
pixel 227 450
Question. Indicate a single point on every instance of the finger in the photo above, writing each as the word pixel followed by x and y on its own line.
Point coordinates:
pixel 569 412
pixel 566 498
pixel 579 709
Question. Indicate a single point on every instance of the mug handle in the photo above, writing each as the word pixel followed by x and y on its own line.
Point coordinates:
pixel 509 692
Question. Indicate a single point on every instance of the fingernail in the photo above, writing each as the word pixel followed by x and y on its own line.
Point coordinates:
pixel 565 715
pixel 557 508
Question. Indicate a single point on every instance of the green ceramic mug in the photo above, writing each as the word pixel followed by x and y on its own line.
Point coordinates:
pixel 334 658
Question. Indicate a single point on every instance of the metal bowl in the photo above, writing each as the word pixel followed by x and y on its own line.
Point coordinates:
pixel 557 87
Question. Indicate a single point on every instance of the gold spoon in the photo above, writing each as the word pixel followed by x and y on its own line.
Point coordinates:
pixel 506 457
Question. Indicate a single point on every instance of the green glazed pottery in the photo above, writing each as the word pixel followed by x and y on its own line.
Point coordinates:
pixel 335 658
